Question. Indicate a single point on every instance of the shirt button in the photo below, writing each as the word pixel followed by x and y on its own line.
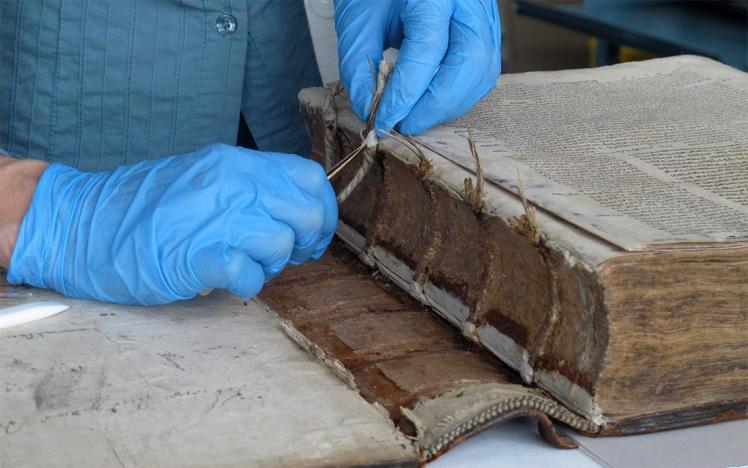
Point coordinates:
pixel 226 24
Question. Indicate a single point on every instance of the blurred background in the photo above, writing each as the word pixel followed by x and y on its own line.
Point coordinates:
pixel 561 34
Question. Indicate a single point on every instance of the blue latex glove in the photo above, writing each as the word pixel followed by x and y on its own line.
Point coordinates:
pixel 161 231
pixel 450 57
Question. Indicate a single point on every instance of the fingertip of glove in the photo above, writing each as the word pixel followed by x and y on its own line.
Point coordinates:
pixel 361 106
pixel 273 272
pixel 364 86
pixel 383 126
pixel 414 126
pixel 300 257
pixel 321 249
pixel 247 292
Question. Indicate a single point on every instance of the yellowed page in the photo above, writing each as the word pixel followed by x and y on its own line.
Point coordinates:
pixel 638 154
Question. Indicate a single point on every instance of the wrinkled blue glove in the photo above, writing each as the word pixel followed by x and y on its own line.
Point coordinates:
pixel 163 230
pixel 450 57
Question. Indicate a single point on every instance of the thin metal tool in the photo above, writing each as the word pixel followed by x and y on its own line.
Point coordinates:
pixel 369 140
pixel 335 170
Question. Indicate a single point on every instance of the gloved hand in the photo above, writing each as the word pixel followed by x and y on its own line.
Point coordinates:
pixel 163 230
pixel 449 58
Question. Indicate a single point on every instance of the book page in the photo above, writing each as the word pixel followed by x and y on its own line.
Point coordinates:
pixel 639 154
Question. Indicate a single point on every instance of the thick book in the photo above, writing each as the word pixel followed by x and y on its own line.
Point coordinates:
pixel 595 241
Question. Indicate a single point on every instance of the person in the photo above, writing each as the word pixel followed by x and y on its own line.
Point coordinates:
pixel 94 93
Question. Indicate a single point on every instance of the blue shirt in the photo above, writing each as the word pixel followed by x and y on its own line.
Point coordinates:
pixel 96 84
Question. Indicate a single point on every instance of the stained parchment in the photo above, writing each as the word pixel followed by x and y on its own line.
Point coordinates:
pixel 638 154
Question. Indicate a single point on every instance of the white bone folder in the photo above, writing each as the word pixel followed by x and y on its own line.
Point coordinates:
pixel 29 312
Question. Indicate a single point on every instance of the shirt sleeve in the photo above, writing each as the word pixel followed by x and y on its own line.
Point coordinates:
pixel 280 62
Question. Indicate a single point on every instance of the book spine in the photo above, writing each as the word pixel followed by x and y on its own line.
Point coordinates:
pixel 529 304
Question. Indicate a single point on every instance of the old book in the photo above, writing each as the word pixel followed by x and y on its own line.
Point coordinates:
pixel 435 385
pixel 600 249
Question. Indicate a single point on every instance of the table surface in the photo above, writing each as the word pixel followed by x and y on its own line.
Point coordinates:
pixel 516 443
pixel 661 27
